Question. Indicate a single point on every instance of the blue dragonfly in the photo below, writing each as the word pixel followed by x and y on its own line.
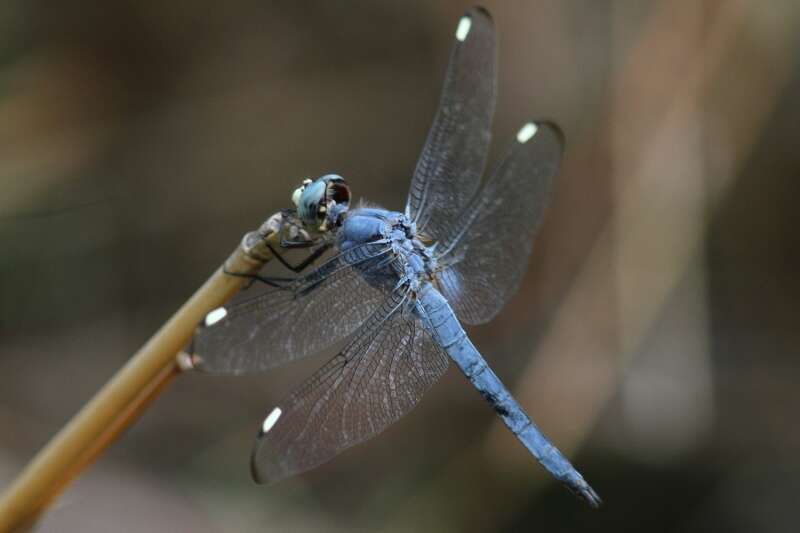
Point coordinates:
pixel 399 285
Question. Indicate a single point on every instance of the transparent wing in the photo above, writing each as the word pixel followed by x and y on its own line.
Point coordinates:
pixel 452 161
pixel 377 379
pixel 286 324
pixel 486 259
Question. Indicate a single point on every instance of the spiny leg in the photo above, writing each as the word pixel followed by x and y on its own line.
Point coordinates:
pixel 277 282
pixel 312 257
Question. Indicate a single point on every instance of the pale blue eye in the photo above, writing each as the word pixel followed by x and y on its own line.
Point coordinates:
pixel 314 199
pixel 310 199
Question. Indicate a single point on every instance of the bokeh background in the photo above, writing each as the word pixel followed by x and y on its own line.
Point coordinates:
pixel 654 339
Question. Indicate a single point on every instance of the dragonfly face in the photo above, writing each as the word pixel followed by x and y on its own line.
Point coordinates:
pixel 321 202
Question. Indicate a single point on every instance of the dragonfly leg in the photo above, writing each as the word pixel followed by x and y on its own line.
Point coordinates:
pixel 292 243
pixel 313 256
pixel 278 283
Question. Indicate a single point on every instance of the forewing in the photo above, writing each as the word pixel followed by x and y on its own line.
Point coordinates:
pixel 286 324
pixel 377 379
pixel 484 262
pixel 452 161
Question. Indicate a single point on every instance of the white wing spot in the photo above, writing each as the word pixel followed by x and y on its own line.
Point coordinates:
pixel 271 419
pixel 463 28
pixel 215 316
pixel 526 132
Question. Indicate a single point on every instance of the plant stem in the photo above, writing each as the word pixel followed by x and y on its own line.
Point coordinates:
pixel 126 395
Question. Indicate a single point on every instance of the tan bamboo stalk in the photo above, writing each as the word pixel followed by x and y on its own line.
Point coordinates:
pixel 127 394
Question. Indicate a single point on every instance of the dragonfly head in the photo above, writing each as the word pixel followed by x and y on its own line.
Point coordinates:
pixel 321 202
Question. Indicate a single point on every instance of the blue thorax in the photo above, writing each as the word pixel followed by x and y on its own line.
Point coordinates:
pixel 380 226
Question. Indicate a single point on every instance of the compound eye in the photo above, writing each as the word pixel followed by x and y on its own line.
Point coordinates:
pixel 311 198
pixel 336 189
pixel 298 192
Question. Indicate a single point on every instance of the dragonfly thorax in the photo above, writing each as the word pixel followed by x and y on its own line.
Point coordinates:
pixel 374 225
pixel 396 232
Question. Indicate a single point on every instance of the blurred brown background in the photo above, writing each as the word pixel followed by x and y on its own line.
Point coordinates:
pixel 654 338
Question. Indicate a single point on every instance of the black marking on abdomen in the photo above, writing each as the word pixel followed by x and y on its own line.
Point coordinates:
pixel 493 401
